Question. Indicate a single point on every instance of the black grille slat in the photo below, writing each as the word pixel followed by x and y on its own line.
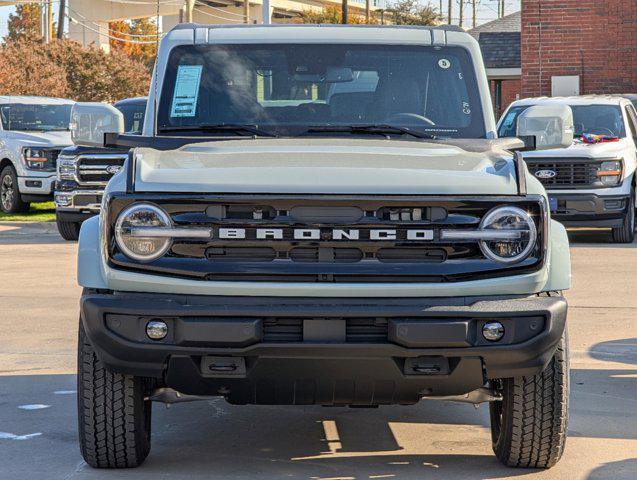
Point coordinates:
pixel 363 330
pixel 286 330
pixel 92 170
pixel 357 330
pixel 575 172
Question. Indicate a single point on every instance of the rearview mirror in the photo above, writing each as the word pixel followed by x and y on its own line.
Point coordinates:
pixel 551 125
pixel 91 120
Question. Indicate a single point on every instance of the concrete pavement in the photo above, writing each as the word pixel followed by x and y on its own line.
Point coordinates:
pixel 432 440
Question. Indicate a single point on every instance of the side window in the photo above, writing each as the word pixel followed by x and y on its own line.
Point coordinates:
pixel 508 127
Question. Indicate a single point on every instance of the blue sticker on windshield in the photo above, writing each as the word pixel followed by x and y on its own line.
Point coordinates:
pixel 186 91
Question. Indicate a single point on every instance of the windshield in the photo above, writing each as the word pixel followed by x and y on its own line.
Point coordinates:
pixel 43 118
pixel 592 119
pixel 286 89
pixel 133 116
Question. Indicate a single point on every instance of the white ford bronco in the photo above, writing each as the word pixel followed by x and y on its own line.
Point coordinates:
pixel 33 130
pixel 592 182
pixel 322 215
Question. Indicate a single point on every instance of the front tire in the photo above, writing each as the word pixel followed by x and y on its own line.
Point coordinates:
pixel 528 427
pixel 10 200
pixel 68 230
pixel 114 419
pixel 626 233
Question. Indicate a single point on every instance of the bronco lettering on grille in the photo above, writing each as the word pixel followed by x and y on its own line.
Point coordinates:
pixel 324 234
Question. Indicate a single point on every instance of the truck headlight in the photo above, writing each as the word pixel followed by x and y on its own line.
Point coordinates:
pixel 35 158
pixel 523 234
pixel 610 172
pixel 129 232
pixel 67 167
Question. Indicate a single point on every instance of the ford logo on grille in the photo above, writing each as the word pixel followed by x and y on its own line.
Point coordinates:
pixel 545 174
pixel 113 169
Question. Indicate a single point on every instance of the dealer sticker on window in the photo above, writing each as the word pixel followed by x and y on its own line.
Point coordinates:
pixel 186 91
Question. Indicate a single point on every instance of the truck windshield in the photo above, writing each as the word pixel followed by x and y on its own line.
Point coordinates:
pixel 592 119
pixel 295 89
pixel 39 118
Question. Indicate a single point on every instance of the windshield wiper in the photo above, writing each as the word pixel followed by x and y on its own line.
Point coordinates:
pixel 379 129
pixel 220 127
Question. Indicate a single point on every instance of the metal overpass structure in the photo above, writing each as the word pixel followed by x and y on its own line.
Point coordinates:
pixel 88 20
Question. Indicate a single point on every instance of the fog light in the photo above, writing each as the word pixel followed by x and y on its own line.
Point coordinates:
pixel 156 329
pixel 493 331
pixel 63 200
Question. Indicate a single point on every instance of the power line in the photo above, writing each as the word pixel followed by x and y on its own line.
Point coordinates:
pixel 204 4
pixel 111 37
pixel 217 16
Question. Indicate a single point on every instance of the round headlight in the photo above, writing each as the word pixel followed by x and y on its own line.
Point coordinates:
pixel 131 242
pixel 521 243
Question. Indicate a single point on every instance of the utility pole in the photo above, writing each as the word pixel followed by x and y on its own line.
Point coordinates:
pixel 61 14
pixel 246 11
pixel 49 20
pixel 266 12
pixel 449 12
pixel 461 13
pixel 367 2
pixel 473 14
pixel 189 7
pixel 344 8
pixel 503 8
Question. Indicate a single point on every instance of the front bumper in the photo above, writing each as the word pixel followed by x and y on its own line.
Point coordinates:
pixel 36 188
pixel 78 204
pixel 590 210
pixel 323 351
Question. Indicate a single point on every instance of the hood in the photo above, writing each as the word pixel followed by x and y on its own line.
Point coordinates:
pixel 584 150
pixel 329 166
pixel 39 139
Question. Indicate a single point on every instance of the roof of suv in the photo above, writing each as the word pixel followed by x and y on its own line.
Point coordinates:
pixel 326 33
pixel 31 100
pixel 575 100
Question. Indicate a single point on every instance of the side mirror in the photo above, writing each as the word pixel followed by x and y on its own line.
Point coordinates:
pixel 551 125
pixel 91 120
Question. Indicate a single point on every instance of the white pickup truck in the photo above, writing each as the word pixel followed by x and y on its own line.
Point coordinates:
pixel 33 130
pixel 589 184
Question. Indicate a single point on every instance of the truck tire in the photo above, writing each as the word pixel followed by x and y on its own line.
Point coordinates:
pixel 113 417
pixel 10 200
pixel 626 233
pixel 68 230
pixel 528 427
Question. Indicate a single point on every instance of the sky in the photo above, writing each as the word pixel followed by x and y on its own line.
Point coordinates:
pixel 487 11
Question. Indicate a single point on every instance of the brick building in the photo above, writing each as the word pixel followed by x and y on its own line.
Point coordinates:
pixel 579 47
pixel 500 44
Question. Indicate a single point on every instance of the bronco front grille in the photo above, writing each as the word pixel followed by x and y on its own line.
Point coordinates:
pixel 98 169
pixel 349 239
pixel 577 172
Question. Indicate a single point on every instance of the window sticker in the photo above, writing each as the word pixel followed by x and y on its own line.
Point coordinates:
pixel 186 91
pixel 444 63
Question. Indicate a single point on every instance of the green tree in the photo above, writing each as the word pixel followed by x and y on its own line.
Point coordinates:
pixel 411 12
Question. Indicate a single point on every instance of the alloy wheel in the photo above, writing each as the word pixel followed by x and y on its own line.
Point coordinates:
pixel 7 194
